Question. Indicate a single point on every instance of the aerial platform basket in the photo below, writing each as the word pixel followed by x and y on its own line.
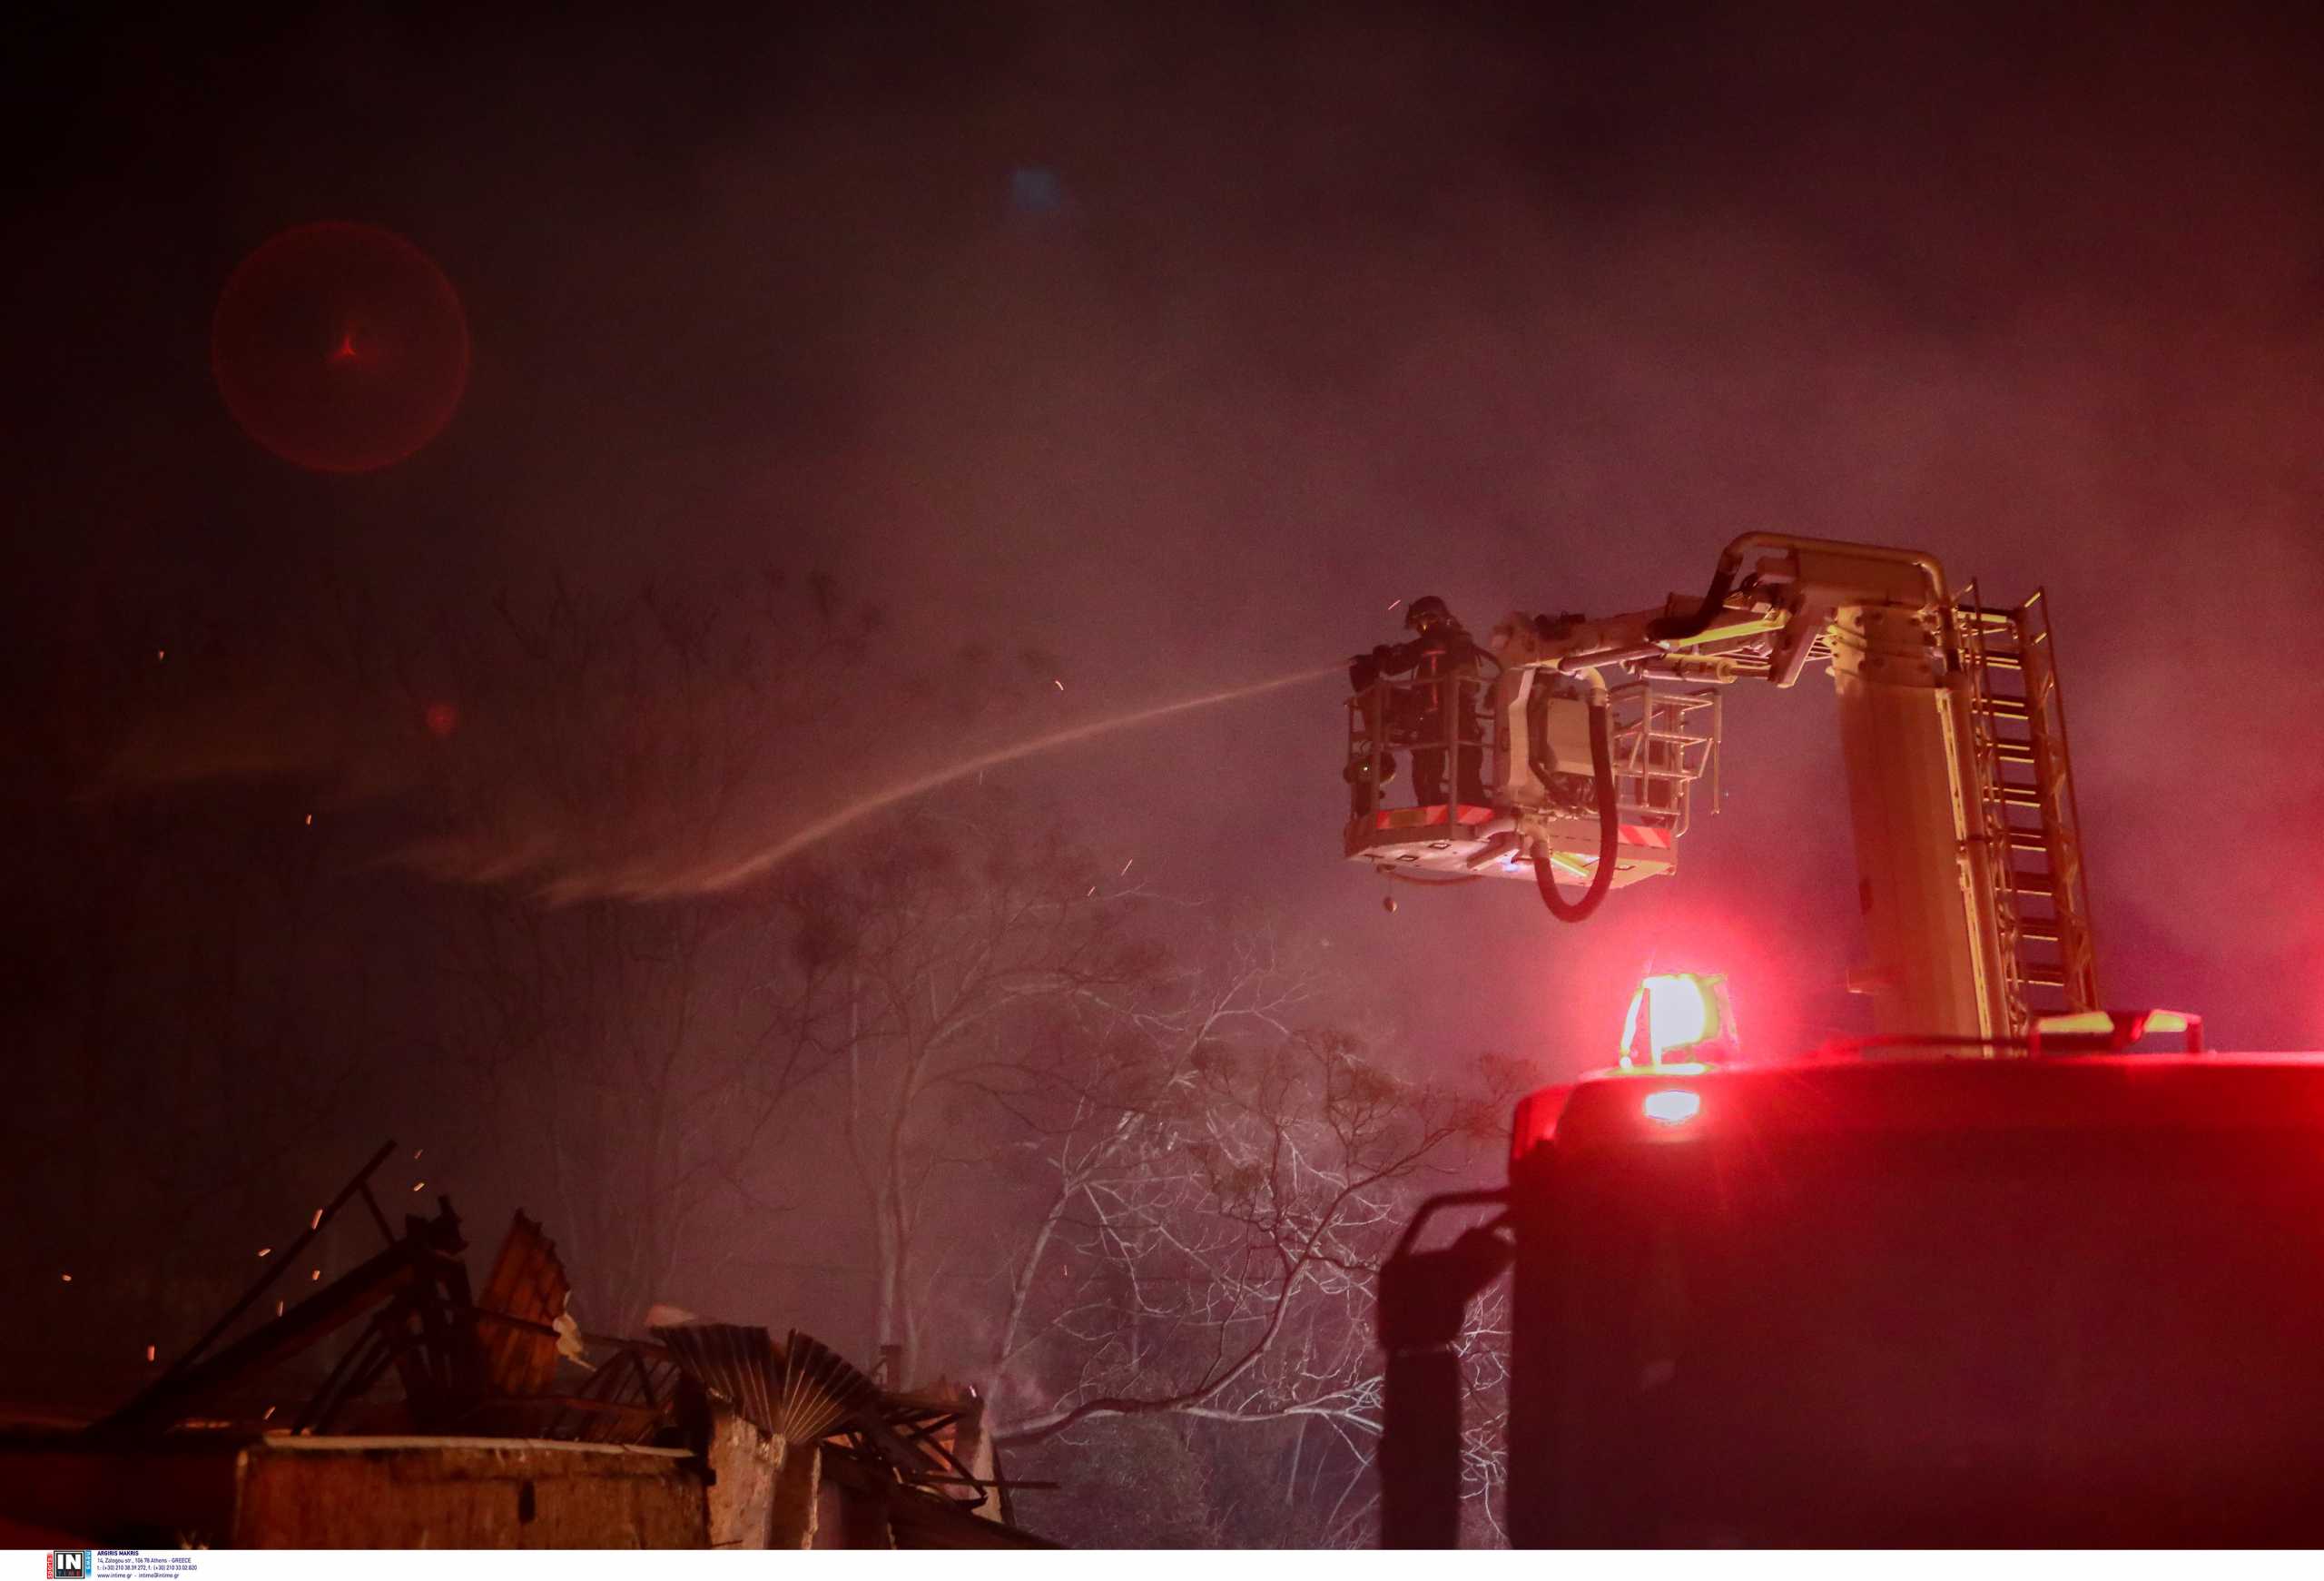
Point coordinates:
pixel 1526 782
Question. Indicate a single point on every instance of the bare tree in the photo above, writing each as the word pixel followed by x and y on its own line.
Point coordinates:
pixel 939 937
pixel 1200 1189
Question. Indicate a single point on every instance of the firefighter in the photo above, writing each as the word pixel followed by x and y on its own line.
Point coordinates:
pixel 1421 717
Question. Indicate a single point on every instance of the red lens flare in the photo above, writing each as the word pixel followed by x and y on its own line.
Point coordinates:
pixel 339 346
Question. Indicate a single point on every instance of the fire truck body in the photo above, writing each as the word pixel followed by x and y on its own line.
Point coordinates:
pixel 1928 1301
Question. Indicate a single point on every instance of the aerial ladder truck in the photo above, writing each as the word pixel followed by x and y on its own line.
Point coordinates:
pixel 1992 1275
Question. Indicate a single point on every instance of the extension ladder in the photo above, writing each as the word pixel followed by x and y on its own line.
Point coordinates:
pixel 2024 810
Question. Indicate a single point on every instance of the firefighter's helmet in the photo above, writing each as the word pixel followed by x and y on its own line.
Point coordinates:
pixel 1424 613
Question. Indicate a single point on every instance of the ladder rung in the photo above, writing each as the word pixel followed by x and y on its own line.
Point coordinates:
pixel 2045 977
pixel 2017 754
pixel 2020 796
pixel 2028 840
pixel 2044 932
pixel 2003 661
pixel 2005 708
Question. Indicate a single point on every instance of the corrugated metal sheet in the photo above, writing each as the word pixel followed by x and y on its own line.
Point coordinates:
pixel 799 1391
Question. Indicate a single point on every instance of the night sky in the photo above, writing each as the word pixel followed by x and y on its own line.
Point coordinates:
pixel 1157 350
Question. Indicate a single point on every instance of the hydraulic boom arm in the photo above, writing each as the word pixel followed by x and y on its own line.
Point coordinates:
pixel 1925 737
pixel 1883 617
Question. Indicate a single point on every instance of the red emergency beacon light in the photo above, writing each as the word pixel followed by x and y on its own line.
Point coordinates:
pixel 1684 1015
pixel 1680 1024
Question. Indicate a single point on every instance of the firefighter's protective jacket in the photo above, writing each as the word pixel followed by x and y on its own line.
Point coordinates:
pixel 1447 653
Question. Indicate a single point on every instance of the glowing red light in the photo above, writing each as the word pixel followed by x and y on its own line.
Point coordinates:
pixel 443 718
pixel 339 346
pixel 1674 1012
pixel 1671 1106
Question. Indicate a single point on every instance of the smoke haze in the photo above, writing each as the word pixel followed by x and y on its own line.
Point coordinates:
pixel 1060 362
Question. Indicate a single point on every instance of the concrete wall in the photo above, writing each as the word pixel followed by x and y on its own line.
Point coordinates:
pixel 465 1493
pixel 744 1461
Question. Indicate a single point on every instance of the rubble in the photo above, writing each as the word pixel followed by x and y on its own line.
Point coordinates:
pixel 457 1418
